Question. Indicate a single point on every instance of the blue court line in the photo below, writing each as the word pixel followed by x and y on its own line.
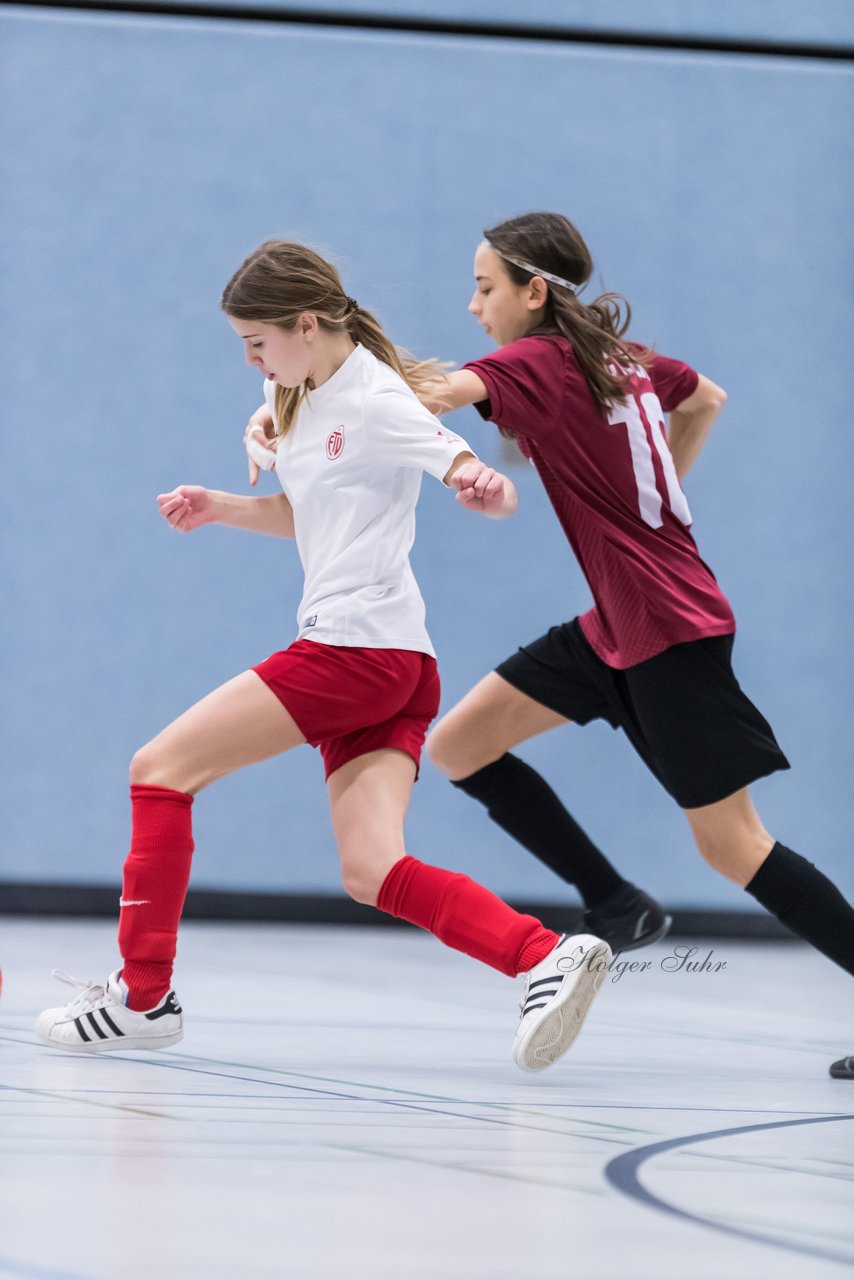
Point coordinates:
pixel 163 1060
pixel 86 1102
pixel 623 1173
pixel 419 1095
pixel 633 1158
pixel 424 1107
pixel 393 1103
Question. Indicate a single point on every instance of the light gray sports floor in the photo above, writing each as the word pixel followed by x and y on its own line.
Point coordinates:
pixel 343 1104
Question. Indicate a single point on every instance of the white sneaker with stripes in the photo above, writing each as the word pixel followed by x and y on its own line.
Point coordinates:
pixel 99 1020
pixel 558 994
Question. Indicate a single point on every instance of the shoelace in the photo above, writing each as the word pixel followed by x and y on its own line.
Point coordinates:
pixel 91 997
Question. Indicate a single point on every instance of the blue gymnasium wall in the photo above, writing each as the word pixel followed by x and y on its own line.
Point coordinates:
pixel 144 157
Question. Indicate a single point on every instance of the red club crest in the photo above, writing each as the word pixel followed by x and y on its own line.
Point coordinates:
pixel 334 443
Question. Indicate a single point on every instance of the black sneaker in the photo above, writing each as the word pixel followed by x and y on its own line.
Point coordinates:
pixel 629 918
pixel 843 1069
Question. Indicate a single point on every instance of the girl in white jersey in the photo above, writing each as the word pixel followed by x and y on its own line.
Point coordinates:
pixel 653 655
pixel 349 439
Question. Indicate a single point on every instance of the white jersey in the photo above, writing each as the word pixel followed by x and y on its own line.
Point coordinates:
pixel 351 466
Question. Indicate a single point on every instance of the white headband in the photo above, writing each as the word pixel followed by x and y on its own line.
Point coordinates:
pixel 537 271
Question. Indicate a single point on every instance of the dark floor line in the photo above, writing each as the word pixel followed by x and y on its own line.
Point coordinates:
pixel 464 28
pixel 623 1174
pixel 98 901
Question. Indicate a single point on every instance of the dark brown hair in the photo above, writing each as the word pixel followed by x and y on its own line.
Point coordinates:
pixel 595 329
pixel 280 281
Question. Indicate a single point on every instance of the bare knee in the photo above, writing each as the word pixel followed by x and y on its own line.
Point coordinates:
pixel 439 748
pixel 146 768
pixel 715 854
pixel 736 858
pixel 731 837
pixel 456 752
pixel 152 766
pixel 364 874
pixel 362 884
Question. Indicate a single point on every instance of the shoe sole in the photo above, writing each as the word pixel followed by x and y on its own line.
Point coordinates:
pixel 113 1046
pixel 559 1029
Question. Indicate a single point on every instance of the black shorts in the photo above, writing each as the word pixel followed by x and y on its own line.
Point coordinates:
pixel 683 710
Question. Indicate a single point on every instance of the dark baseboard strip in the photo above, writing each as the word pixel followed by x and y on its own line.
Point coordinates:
pixel 496 29
pixel 83 901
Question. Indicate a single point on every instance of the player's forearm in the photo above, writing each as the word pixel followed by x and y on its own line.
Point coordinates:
pixel 272 515
pixel 691 423
pixel 688 435
pixel 453 391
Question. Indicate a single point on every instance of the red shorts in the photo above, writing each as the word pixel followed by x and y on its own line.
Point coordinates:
pixel 351 701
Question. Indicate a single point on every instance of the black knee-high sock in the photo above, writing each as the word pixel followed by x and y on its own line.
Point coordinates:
pixel 524 805
pixel 807 902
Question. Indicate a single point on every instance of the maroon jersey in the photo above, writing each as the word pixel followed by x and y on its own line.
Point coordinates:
pixel 613 485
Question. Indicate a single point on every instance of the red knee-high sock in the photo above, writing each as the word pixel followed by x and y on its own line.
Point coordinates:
pixel 464 915
pixel 154 886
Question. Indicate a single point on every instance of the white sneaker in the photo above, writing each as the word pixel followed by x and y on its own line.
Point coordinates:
pixel 99 1020
pixel 558 993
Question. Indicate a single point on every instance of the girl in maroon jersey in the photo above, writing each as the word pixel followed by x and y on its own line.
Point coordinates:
pixel 653 654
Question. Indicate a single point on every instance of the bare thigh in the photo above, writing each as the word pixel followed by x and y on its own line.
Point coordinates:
pixel 368 799
pixel 490 720
pixel 238 724
pixel 731 837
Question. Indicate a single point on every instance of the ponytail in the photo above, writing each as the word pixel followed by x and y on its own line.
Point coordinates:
pixel 417 374
pixel 595 331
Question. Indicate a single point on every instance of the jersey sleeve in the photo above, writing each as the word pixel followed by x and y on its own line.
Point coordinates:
pixel 673 381
pixel 405 434
pixel 525 385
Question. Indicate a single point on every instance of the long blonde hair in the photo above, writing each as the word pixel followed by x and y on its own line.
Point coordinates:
pixel 280 281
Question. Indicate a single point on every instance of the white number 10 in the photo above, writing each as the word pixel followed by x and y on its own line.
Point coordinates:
pixel 649 499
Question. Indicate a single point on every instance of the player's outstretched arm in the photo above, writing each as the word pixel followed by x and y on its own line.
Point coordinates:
pixel 691 422
pixel 453 391
pixel 190 506
pixel 480 488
